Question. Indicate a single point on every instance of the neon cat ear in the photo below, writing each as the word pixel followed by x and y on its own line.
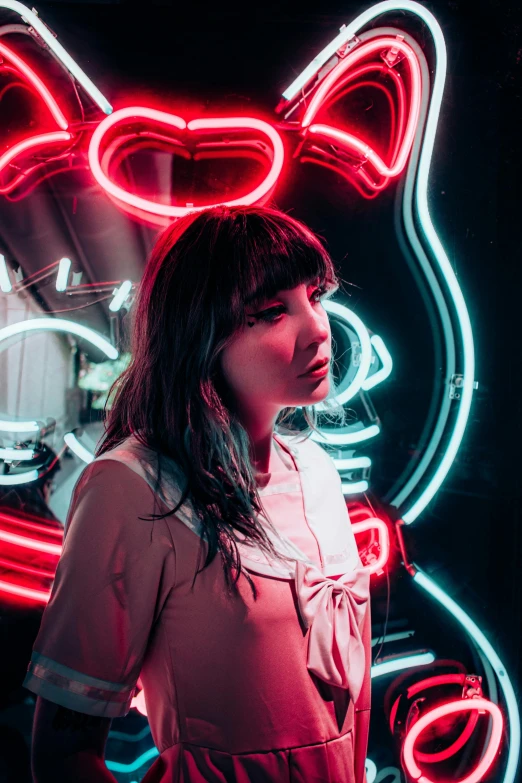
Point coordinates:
pixel 25 146
pixel 26 154
pixel 35 24
pixel 354 156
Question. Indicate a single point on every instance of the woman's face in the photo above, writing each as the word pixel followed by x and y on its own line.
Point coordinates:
pixel 284 337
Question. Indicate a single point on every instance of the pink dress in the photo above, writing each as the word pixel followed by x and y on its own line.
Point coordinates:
pixel 229 693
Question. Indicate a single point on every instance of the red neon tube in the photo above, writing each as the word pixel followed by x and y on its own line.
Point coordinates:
pixel 35 141
pixel 179 125
pixel 37 83
pixel 347 139
pixel 384 541
pixel 482 705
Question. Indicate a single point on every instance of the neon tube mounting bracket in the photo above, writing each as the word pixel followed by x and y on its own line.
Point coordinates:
pixel 393 56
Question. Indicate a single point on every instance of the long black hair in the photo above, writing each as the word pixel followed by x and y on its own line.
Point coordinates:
pixel 203 272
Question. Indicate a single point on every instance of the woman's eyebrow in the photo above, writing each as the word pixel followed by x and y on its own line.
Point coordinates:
pixel 256 297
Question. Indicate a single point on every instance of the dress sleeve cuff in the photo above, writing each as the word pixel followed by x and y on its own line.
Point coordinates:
pixel 75 690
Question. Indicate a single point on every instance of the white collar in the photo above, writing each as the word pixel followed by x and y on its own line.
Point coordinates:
pixel 323 501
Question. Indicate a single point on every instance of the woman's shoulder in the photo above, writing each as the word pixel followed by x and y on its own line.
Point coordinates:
pixel 163 475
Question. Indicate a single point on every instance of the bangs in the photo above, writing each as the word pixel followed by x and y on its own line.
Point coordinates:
pixel 284 264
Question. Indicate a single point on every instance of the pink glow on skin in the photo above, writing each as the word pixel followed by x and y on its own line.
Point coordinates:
pixel 263 364
pixel 451 708
pixel 347 139
pixel 179 125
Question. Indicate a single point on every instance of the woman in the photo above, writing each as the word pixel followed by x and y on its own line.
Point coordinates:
pixel 255 664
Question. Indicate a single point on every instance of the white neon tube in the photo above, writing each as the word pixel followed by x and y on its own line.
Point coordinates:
pixel 353 463
pixel 120 295
pixel 5 282
pixel 339 438
pixel 60 325
pixel 386 360
pixel 354 489
pixel 16 454
pixel 398 664
pixel 31 18
pixel 76 447
pixel 20 478
pixel 19 426
pixel 64 267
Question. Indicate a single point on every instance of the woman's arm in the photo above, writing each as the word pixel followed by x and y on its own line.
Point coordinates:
pixel 68 746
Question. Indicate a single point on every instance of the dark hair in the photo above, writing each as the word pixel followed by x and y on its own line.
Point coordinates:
pixel 204 269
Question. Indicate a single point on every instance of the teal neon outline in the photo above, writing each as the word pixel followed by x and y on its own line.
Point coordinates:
pixel 498 667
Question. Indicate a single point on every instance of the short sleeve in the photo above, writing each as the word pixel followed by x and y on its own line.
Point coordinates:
pixel 112 580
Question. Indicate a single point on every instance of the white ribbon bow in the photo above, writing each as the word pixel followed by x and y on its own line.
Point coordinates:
pixel 334 610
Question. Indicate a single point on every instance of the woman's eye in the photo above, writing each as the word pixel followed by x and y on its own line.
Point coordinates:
pixel 274 312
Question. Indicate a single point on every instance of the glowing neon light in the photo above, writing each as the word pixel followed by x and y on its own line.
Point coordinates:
pixel 355 488
pixel 398 664
pixel 421 202
pixel 31 18
pixel 354 463
pixel 37 83
pixel 41 140
pixel 10 480
pixel 14 566
pixel 347 34
pixel 5 282
pixel 393 637
pixel 371 770
pixel 387 364
pixel 122 735
pixel 77 448
pixel 116 766
pixel 374 523
pixel 30 543
pixel 498 667
pixel 451 708
pixel 19 426
pixel 120 295
pixel 178 124
pixel 344 437
pixel 348 139
pixel 44 529
pixel 16 454
pixel 60 325
pixel 57 325
pixel 435 682
pixel 41 596
pixel 64 267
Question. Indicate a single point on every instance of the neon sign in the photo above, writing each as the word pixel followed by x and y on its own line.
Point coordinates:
pixel 369 170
